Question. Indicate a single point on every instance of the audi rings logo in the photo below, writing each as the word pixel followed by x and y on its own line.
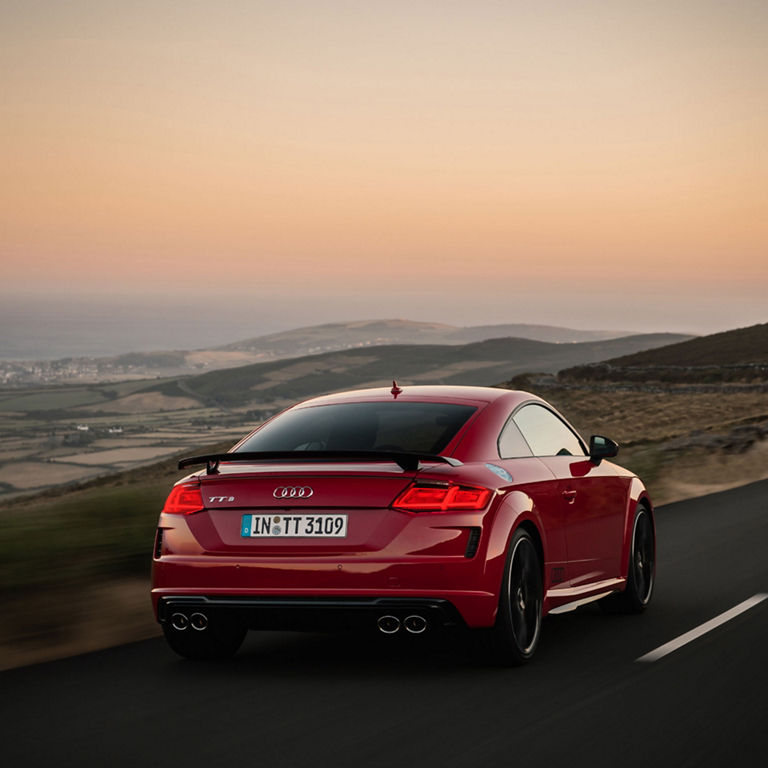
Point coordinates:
pixel 292 492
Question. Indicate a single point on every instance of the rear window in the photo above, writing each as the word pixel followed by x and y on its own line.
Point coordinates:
pixel 390 426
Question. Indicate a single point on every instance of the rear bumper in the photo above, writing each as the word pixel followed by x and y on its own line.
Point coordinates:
pixel 307 614
pixel 314 609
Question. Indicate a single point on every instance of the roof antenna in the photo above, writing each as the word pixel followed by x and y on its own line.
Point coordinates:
pixel 395 389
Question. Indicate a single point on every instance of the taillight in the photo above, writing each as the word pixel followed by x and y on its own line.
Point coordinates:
pixel 184 500
pixel 442 498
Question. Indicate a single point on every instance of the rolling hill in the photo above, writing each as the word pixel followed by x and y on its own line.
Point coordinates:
pixel 477 363
pixel 331 336
pixel 740 355
pixel 736 347
pixel 294 343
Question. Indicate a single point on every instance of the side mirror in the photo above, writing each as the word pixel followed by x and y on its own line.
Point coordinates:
pixel 602 448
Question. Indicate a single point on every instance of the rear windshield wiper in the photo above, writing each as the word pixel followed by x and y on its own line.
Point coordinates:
pixel 406 460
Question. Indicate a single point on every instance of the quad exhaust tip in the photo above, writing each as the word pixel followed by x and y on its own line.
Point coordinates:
pixel 414 624
pixel 180 621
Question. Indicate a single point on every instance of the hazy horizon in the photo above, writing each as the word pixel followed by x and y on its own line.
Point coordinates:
pixel 51 327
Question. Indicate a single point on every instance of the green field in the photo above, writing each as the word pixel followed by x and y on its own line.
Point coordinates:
pixel 53 399
pixel 93 533
pixel 63 548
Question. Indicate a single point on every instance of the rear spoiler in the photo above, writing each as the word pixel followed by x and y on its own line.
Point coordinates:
pixel 406 460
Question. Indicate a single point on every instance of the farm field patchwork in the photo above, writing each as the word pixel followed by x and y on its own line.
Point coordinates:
pixel 29 475
pixel 120 457
pixel 51 437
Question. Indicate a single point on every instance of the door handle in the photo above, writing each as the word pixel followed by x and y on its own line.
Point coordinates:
pixel 569 496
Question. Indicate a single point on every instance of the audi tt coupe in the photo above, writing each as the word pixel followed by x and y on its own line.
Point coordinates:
pixel 402 510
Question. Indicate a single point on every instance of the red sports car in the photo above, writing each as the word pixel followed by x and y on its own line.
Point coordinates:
pixel 405 510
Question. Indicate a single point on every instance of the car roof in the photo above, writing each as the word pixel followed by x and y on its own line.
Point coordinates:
pixel 421 393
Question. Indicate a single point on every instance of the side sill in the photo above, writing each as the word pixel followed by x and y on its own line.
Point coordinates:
pixel 569 599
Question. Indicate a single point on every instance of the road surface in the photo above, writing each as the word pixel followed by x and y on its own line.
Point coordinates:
pixel 337 700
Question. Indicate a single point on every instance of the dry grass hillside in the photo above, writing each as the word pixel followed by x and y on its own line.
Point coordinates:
pixel 693 416
pixel 742 345
pixel 688 424
pixel 732 357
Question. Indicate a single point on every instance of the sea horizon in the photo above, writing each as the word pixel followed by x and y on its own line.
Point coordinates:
pixel 49 327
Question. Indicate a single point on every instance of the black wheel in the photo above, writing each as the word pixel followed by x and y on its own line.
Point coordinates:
pixel 219 640
pixel 641 573
pixel 518 622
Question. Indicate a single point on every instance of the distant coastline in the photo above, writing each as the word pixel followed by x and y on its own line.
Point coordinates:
pixel 100 326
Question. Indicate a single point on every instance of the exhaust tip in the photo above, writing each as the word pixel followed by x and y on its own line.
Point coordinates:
pixel 179 621
pixel 198 621
pixel 388 624
pixel 415 624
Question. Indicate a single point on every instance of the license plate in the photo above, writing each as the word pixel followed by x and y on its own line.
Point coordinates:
pixel 294 526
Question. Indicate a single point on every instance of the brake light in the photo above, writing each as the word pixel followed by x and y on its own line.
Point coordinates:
pixel 184 500
pixel 442 498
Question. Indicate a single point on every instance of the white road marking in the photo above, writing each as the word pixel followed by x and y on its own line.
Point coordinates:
pixel 702 629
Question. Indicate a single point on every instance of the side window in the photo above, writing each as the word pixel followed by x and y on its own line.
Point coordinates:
pixel 512 445
pixel 546 433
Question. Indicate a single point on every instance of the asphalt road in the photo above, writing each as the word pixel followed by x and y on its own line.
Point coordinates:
pixel 320 700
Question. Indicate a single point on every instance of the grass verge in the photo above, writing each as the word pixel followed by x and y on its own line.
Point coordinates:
pixel 73 563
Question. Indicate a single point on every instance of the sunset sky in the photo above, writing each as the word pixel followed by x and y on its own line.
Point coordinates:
pixel 591 164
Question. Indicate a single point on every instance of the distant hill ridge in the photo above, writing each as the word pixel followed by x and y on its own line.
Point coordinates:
pixel 398 331
pixel 739 346
pixel 730 356
pixel 294 343
pixel 481 363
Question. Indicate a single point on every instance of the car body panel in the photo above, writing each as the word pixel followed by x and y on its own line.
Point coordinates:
pixel 594 512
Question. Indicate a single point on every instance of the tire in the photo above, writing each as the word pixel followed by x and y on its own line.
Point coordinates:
pixel 641 571
pixel 220 640
pixel 516 634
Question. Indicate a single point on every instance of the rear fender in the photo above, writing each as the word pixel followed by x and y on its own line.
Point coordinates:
pixel 516 508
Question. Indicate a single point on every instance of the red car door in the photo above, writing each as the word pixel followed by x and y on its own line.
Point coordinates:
pixel 593 499
pixel 592 496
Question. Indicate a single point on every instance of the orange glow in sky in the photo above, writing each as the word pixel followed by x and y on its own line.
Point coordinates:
pixel 572 155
